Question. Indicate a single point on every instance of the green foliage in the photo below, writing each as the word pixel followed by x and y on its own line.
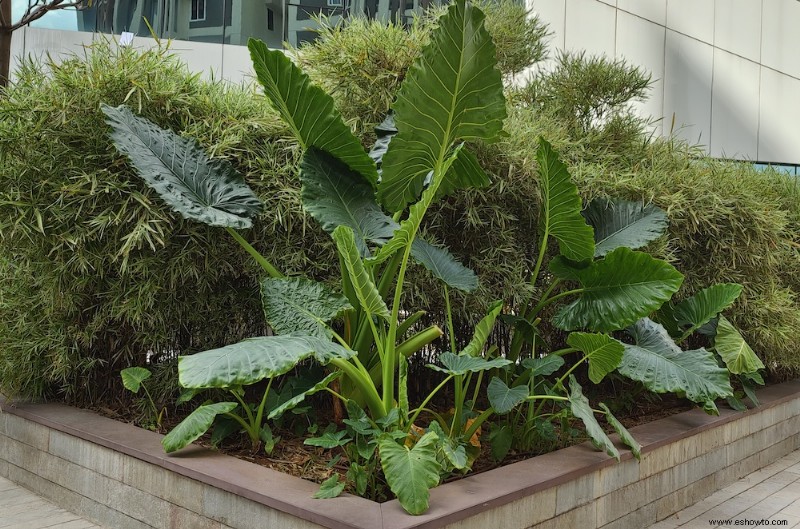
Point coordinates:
pixel 95 271
pixel 169 164
pixel 133 379
pixel 734 351
pixel 194 425
pixel 411 472
pixel 623 223
pixel 298 305
pixel 656 361
pixel 618 290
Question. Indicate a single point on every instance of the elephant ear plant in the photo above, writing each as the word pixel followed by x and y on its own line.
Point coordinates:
pixel 452 94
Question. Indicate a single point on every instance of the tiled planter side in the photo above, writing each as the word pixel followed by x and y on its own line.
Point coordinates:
pixel 120 491
pixel 118 475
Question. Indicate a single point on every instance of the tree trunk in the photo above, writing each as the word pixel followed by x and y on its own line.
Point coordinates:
pixel 5 41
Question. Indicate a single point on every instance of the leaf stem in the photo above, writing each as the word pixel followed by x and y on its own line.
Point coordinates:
pixel 271 270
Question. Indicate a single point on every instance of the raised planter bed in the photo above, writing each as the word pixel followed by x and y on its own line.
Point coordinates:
pixel 118 475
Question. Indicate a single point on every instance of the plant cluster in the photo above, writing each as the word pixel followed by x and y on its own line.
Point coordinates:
pixel 373 205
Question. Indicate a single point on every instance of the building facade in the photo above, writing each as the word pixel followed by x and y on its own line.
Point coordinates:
pixel 726 72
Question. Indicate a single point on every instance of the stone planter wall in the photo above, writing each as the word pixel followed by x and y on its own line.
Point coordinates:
pixel 118 475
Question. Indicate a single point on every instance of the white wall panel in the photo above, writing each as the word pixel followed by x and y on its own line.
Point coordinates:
pixel 200 57
pixel 590 26
pixel 734 107
pixel 59 44
pixel 780 36
pixel 652 10
pixel 553 12
pixel 17 50
pixel 779 136
pixel 687 87
pixel 737 27
pixel 694 18
pixel 642 43
pixel 237 67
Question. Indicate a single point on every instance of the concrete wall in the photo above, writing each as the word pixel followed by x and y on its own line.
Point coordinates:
pixel 215 61
pixel 727 72
pixel 118 475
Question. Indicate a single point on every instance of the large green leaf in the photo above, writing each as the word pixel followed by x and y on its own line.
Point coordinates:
pixel 618 290
pixel 335 195
pixel 443 265
pixel 410 473
pixel 291 403
pixel 735 352
pixel 133 377
pixel 602 352
pixel 502 398
pixel 624 435
pixel 692 313
pixel 307 109
pixel 299 305
pixel 580 408
pixel 619 223
pixel 452 91
pixel 464 173
pixel 196 187
pixel 561 206
pixel 365 290
pixel 482 330
pixel 657 362
pixel 454 364
pixel 544 366
pixel 253 360
pixel 194 425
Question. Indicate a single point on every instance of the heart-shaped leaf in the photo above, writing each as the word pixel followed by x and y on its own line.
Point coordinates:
pixel 300 397
pixel 657 362
pixel 502 398
pixel 624 435
pixel 133 377
pixel 307 110
pixel 580 408
pixel 330 488
pixel 684 318
pixel 452 91
pixel 410 473
pixel 483 330
pixel 544 366
pixel 462 364
pixel 619 290
pixel 737 355
pixel 561 206
pixel 604 353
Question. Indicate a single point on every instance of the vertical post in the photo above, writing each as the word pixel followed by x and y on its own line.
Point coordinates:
pixel 5 41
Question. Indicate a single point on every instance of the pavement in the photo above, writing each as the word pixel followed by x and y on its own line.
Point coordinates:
pixel 22 509
pixel 769 497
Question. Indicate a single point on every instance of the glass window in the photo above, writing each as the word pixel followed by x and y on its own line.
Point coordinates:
pixel 198 10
